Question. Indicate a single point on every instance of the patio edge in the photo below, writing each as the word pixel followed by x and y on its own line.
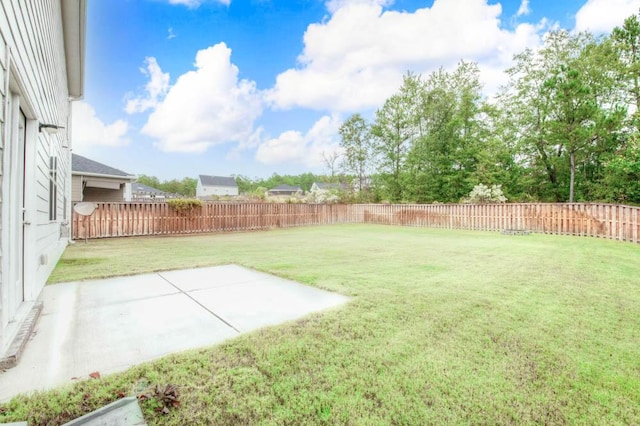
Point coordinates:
pixel 13 354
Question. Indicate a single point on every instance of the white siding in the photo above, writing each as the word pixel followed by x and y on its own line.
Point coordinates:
pixel 4 86
pixel 222 190
pixel 36 72
pixel 199 189
pixel 76 189
pixel 204 191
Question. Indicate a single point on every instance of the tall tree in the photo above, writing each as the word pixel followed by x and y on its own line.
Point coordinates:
pixel 394 132
pixel 448 148
pixel 429 159
pixel 392 143
pixel 499 162
pixel 531 102
pixel 357 145
pixel 468 124
pixel 573 121
pixel 564 108
pixel 527 112
pixel 245 184
pixel 188 186
pixel 598 66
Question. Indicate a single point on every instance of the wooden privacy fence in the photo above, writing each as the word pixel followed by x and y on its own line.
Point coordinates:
pixel 580 219
pixel 133 219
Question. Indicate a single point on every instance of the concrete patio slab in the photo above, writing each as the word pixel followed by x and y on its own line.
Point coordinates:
pixel 110 325
pixel 116 290
pixel 271 302
pixel 200 278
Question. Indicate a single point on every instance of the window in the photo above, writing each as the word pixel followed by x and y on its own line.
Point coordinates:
pixel 64 191
pixel 53 188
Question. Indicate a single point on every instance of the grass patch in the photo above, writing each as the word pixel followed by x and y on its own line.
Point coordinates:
pixel 444 327
pixel 81 262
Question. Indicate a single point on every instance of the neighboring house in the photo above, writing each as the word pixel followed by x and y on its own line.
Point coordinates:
pixel 42 51
pixel 144 193
pixel 215 186
pixel 93 181
pixel 285 190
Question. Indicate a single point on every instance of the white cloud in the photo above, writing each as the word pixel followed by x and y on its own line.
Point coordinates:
pixel 194 4
pixel 355 59
pixel 602 16
pixel 249 143
pixel 524 8
pixel 205 107
pixel 294 147
pixel 156 88
pixel 170 33
pixel 88 131
pixel 334 5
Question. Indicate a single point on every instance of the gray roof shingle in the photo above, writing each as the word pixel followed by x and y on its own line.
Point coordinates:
pixel 324 185
pixel 285 187
pixel 141 187
pixel 80 164
pixel 218 181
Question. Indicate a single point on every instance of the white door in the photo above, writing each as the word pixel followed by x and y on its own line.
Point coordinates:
pixel 15 173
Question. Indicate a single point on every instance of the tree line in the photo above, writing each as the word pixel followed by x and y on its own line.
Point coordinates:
pixel 256 185
pixel 564 128
pixel 187 186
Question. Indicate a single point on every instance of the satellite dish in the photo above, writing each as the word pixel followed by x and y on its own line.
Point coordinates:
pixel 85 209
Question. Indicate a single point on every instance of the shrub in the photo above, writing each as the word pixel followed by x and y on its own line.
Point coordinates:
pixel 482 194
pixel 259 193
pixel 323 197
pixel 184 206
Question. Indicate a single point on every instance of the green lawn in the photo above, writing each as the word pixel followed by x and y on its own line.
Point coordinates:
pixel 454 327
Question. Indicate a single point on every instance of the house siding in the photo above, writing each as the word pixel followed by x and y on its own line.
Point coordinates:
pixel 33 73
pixel 204 191
pixel 76 189
pixel 4 85
pixel 218 190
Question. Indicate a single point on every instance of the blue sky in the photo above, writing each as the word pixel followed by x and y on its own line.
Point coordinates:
pixel 178 88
